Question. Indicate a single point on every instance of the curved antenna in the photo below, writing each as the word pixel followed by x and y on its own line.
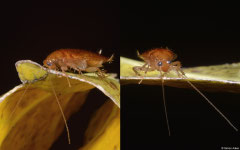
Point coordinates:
pixel 164 102
pixel 19 101
pixel 185 77
pixel 60 107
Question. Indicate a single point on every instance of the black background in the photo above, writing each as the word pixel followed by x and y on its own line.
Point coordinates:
pixel 33 32
pixel 197 40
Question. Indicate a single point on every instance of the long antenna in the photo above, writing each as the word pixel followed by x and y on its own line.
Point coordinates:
pixel 165 107
pixel 229 122
pixel 60 107
pixel 19 101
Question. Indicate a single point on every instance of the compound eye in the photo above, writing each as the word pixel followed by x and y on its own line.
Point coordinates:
pixel 49 64
pixel 169 62
pixel 159 63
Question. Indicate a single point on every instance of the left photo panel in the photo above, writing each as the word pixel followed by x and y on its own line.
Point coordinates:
pixel 60 89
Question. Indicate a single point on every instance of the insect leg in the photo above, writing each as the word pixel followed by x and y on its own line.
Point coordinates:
pixel 139 68
pixel 176 64
pixel 145 72
pixel 92 69
pixel 145 68
pixel 64 68
pixel 100 73
pixel 79 71
pixel 76 65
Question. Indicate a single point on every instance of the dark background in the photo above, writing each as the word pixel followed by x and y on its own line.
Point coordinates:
pixel 197 40
pixel 33 32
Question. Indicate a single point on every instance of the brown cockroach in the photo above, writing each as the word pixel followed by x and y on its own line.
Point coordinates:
pixel 77 59
pixel 162 60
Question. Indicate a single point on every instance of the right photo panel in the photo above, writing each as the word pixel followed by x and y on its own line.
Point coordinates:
pixel 180 81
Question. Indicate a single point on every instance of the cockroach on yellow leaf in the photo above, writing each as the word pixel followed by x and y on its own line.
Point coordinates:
pixel 162 60
pixel 77 59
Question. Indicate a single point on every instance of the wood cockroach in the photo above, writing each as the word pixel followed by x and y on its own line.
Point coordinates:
pixel 162 60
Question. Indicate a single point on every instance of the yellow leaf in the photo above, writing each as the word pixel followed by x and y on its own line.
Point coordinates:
pixel 103 132
pixel 225 77
pixel 37 122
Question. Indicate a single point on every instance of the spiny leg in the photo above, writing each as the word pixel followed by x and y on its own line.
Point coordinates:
pixel 77 70
pixel 145 68
pixel 80 72
pixel 181 74
pixel 101 75
pixel 79 65
pixel 145 72
pixel 76 65
pixel 176 65
pixel 99 72
pixel 64 68
pixel 139 68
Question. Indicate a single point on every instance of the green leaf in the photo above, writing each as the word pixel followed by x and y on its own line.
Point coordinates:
pixel 225 77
